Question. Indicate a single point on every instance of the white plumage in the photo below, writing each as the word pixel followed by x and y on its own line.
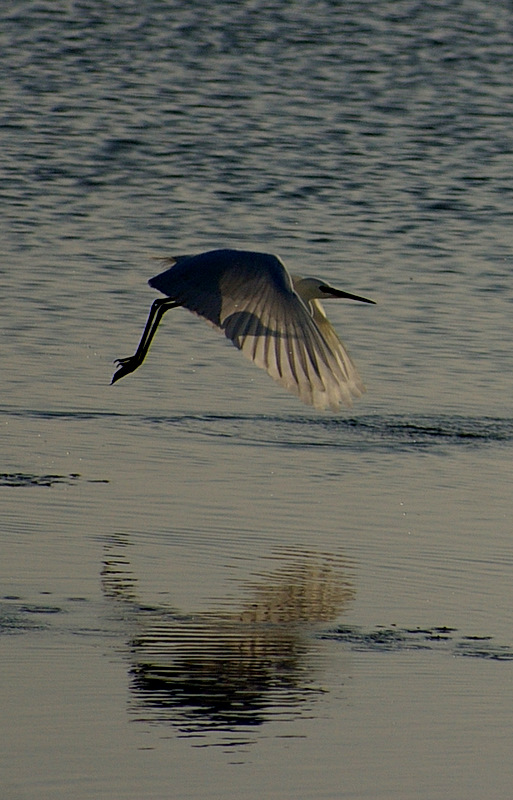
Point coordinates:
pixel 275 319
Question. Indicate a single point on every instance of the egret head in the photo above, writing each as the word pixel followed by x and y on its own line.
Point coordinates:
pixel 317 289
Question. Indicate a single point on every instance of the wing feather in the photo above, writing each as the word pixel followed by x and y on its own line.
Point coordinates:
pixel 343 364
pixel 250 297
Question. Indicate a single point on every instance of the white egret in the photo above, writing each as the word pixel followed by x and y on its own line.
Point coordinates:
pixel 274 318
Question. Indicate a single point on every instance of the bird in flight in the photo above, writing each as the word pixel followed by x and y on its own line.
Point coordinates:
pixel 276 319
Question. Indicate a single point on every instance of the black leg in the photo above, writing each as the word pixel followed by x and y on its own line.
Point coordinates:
pixel 157 311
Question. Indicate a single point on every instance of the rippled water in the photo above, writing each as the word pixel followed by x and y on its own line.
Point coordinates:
pixel 209 590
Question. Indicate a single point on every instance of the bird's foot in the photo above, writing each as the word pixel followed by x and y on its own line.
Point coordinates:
pixel 125 367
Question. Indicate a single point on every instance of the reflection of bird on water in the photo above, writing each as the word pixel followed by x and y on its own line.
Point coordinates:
pixel 234 669
pixel 275 319
pixel 307 591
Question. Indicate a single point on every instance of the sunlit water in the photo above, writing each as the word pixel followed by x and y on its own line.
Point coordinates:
pixel 209 590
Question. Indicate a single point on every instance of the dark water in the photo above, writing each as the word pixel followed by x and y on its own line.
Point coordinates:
pixel 209 590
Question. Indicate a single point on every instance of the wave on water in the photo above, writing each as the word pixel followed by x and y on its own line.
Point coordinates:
pixel 25 479
pixel 394 639
pixel 368 432
pixel 383 432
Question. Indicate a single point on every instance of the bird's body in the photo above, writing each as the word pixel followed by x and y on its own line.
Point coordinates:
pixel 274 318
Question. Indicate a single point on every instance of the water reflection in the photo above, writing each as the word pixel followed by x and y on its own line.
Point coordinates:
pixel 224 673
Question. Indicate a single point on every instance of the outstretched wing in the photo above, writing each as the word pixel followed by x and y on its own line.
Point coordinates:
pixel 346 366
pixel 250 297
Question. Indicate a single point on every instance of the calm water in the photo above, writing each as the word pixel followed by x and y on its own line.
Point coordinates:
pixel 207 589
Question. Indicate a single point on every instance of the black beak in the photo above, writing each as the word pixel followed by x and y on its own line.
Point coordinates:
pixel 329 290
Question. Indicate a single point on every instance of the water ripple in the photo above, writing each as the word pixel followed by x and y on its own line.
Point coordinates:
pixel 405 639
pixel 393 432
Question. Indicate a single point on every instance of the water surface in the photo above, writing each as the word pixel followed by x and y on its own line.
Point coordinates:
pixel 208 589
